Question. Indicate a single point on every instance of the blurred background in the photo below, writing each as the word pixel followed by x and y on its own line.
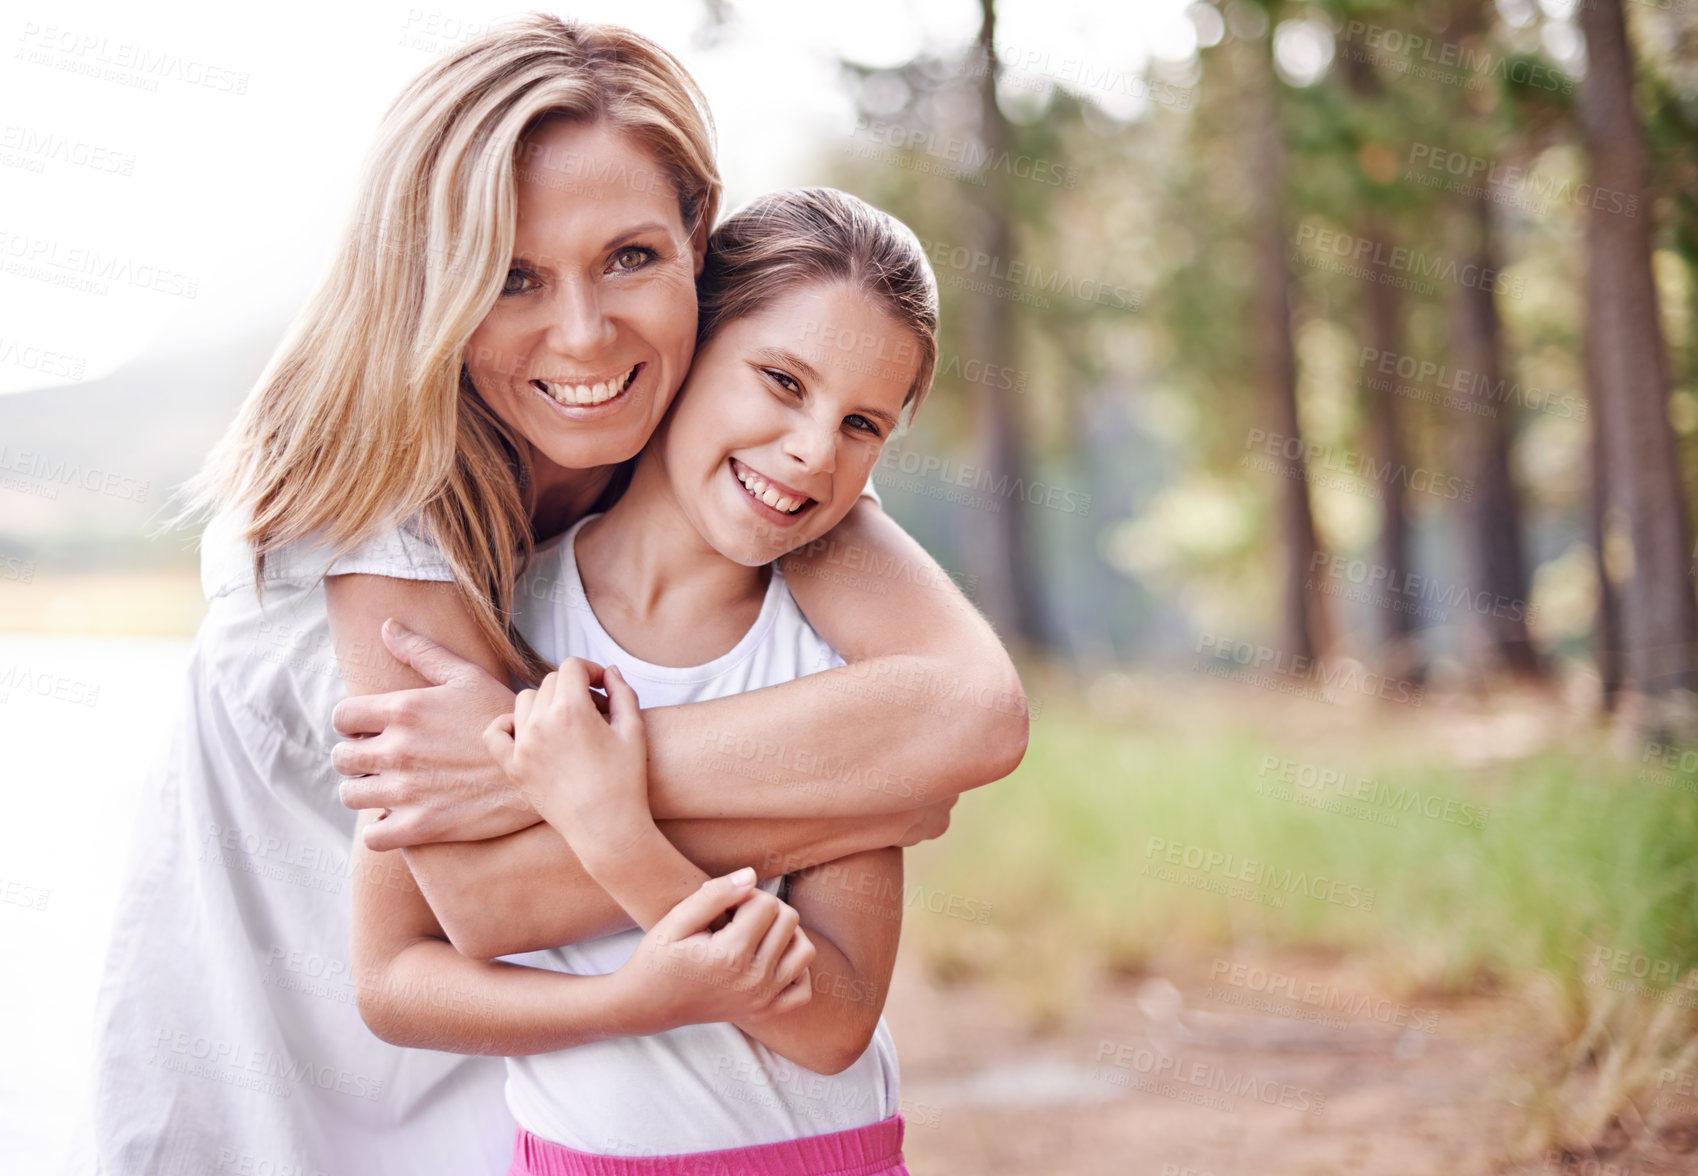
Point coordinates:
pixel 1317 418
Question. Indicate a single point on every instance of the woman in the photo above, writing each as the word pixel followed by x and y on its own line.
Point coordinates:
pixel 416 434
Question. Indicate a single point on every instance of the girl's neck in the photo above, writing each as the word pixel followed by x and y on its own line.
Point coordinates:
pixel 659 589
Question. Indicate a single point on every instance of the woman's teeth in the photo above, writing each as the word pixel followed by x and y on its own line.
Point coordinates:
pixel 758 488
pixel 586 394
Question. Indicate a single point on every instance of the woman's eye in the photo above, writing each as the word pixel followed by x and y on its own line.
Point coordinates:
pixel 634 257
pixel 857 421
pixel 515 283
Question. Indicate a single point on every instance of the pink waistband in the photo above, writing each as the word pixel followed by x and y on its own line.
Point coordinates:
pixel 873 1150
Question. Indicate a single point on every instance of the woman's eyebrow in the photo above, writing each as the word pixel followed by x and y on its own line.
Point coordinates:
pixel 780 357
pixel 635 231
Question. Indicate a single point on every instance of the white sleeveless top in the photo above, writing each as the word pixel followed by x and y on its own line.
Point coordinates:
pixel 699 1087
pixel 227 1036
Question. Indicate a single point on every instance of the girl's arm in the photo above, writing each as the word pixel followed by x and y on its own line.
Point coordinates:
pixel 928 707
pixel 415 990
pixel 849 919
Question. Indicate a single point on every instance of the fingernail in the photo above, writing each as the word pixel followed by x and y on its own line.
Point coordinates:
pixel 744 876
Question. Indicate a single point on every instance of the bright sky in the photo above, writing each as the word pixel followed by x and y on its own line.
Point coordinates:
pixel 206 153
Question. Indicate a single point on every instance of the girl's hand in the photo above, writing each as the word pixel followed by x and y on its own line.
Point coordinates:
pixel 602 798
pixel 685 973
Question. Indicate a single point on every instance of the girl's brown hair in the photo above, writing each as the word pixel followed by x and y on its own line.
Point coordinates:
pixel 365 415
pixel 799 236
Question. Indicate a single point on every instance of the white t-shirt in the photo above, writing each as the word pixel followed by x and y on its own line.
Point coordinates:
pixel 227 1036
pixel 700 1087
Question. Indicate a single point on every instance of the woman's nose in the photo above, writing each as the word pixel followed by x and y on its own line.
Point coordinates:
pixel 578 329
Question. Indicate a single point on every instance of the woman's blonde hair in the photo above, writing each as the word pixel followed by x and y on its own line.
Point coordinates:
pixel 797 236
pixel 365 415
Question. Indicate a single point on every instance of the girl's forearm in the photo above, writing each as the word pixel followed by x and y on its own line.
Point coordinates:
pixel 528 891
pixel 833 1029
pixel 429 996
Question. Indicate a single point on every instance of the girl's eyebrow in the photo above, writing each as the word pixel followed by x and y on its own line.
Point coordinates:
pixel 781 357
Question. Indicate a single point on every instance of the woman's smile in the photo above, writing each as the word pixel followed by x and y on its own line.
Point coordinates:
pixel 588 392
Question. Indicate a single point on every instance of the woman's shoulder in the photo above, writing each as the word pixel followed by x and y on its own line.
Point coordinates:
pixel 398 549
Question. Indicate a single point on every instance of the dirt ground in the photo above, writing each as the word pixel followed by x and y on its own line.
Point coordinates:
pixel 1201 1071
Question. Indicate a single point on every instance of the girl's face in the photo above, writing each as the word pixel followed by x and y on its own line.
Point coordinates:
pixel 592 333
pixel 782 418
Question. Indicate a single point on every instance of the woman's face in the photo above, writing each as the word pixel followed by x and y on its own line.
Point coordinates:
pixel 782 418
pixel 595 325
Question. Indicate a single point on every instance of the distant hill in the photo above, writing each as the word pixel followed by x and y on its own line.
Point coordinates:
pixel 85 469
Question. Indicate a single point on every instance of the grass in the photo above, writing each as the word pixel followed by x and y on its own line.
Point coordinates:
pixel 1587 859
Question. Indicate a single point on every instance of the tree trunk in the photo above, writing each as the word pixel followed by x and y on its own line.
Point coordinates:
pixel 1496 566
pixel 998 548
pixel 1400 652
pixel 1641 477
pixel 1302 630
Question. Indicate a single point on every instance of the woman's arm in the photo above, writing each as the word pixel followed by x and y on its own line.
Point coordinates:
pixel 929 706
pixel 526 890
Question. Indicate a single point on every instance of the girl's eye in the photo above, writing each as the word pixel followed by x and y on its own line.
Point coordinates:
pixel 632 257
pixel 782 380
pixel 515 283
pixel 857 421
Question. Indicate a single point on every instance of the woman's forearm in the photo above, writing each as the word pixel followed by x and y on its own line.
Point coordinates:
pixel 929 706
pixel 528 891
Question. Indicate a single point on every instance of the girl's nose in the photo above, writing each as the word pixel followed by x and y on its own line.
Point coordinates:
pixel 814 447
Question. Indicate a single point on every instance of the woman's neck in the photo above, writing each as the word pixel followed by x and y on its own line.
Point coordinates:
pixel 659 589
pixel 560 497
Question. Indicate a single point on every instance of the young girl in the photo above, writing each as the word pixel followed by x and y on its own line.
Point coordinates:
pixel 759 1043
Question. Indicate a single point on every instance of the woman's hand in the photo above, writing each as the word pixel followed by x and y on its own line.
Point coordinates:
pixel 419 753
pixel 601 806
pixel 685 973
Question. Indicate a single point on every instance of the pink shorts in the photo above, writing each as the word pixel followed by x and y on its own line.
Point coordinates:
pixel 874 1150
